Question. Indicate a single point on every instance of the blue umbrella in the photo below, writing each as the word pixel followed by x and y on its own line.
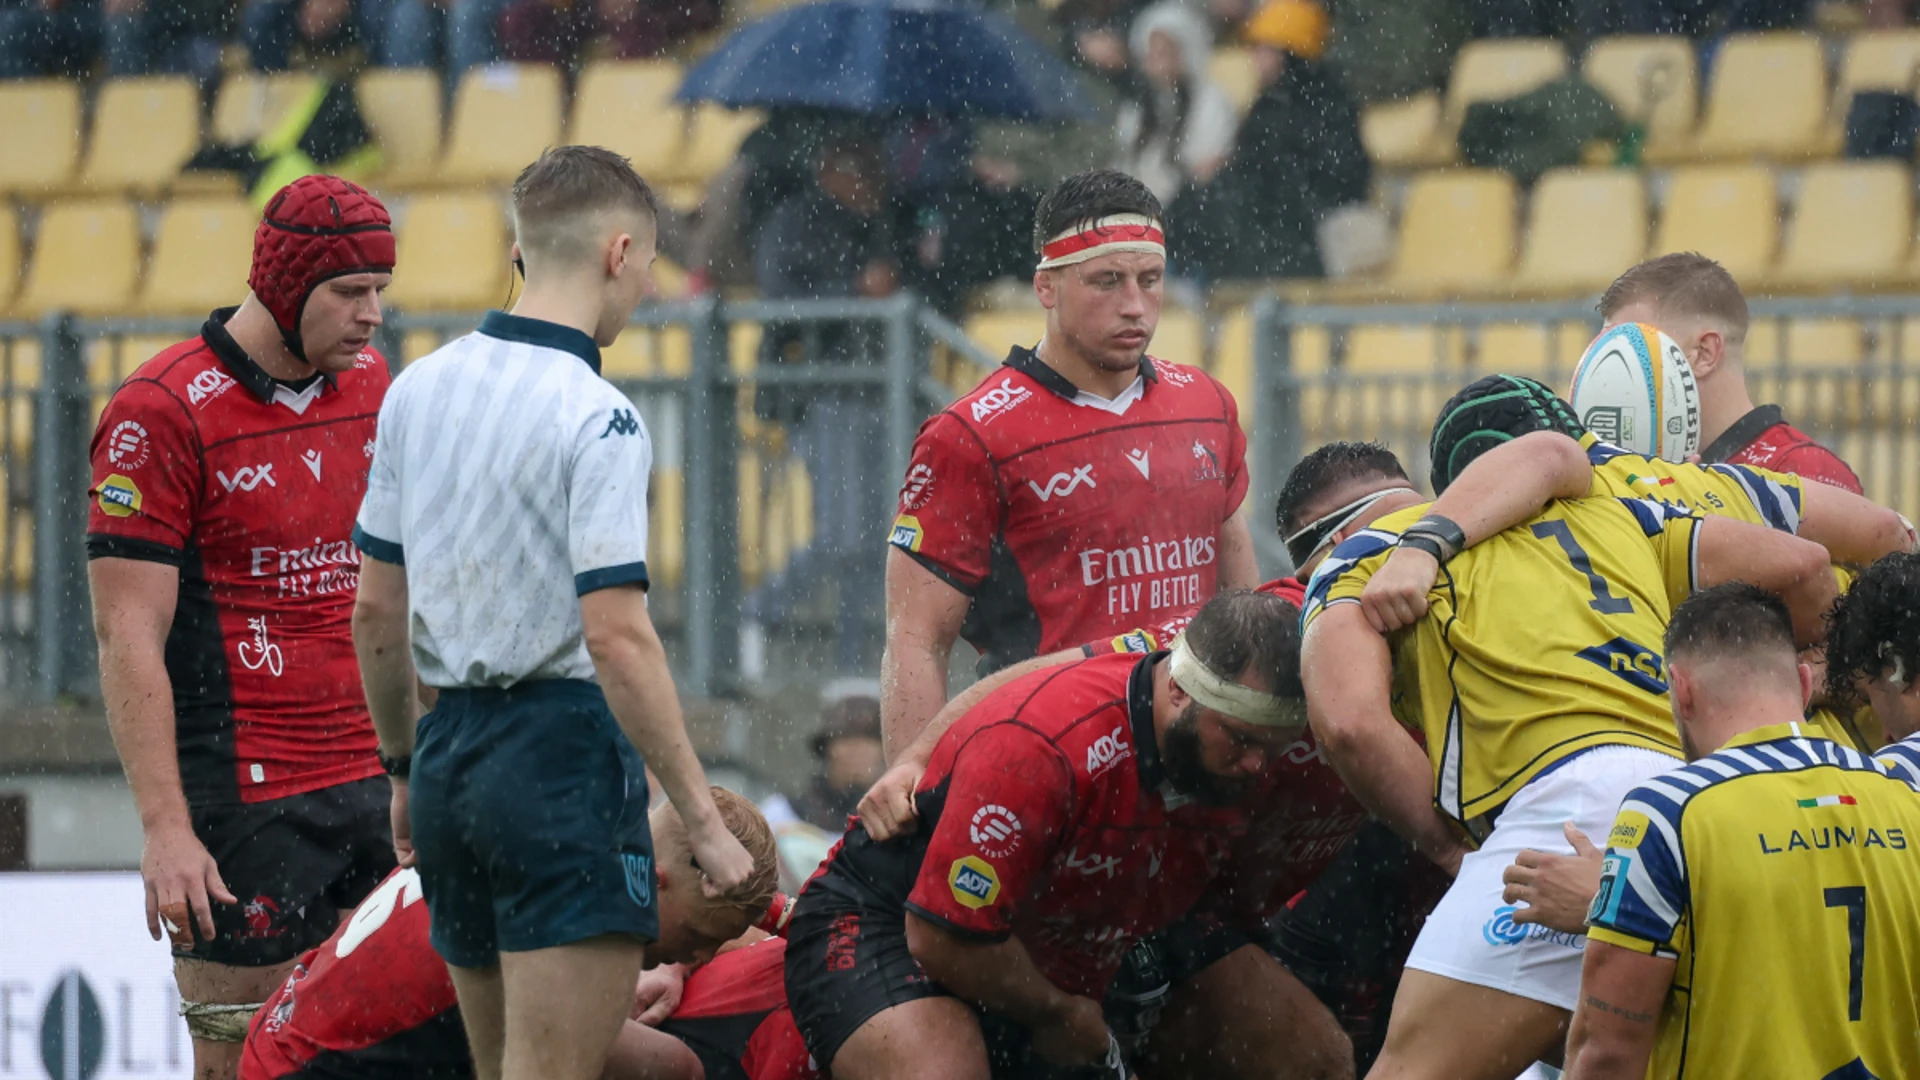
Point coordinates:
pixel 879 57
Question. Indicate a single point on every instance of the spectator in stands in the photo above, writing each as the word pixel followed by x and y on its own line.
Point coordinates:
pixel 40 38
pixel 1180 126
pixel 48 38
pixel 325 30
pixel 557 31
pixel 419 33
pixel 851 757
pixel 1387 49
pixel 1296 158
pixel 834 239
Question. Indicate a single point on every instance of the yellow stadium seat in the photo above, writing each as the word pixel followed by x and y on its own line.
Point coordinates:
pixel 9 257
pixel 1767 98
pixel 1235 71
pixel 1456 231
pixel 251 104
pixel 628 108
pixel 39 134
pixel 666 525
pixel 1233 361
pixel 1181 337
pixel 1852 225
pixel 1399 134
pixel 452 254
pixel 1514 349
pixel 713 139
pixel 1496 68
pixel 1874 60
pixel 1584 227
pixel 1411 348
pixel 143 131
pixel 1570 341
pixel 418 343
pixel 642 352
pixel 1804 365
pixel 1652 80
pixel 402 107
pixel 1397 377
pixel 504 115
pixel 85 260
pixel 201 254
pixel 1726 212
pixel 998 331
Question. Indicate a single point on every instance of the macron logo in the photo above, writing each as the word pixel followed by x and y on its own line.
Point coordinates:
pixel 1139 459
pixel 1061 485
pixel 248 478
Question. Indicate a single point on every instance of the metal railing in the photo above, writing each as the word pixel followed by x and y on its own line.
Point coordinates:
pixel 701 367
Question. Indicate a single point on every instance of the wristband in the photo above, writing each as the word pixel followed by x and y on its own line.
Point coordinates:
pixel 1423 542
pixel 396 767
pixel 1452 539
pixel 779 911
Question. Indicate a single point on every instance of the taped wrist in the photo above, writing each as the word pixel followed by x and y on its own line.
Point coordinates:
pixel 1437 535
pixel 214 1022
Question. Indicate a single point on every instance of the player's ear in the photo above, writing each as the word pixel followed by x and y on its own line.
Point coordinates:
pixel 617 250
pixel 1047 288
pixel 1807 685
pixel 1708 354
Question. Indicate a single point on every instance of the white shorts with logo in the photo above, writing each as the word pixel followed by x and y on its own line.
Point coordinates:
pixel 1471 936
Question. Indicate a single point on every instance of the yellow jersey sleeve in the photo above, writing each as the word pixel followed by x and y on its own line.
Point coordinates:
pixel 1741 492
pixel 1343 575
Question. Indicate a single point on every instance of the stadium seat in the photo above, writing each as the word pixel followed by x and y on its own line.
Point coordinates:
pixel 1804 365
pixel 1233 68
pixel 251 103
pixel 1584 226
pixel 402 107
pixel 1456 232
pixel 1767 98
pixel 86 259
pixel 1181 337
pixel 454 253
pixel 39 134
pixel 1514 349
pixel 1852 225
pixel 9 257
pixel 714 135
pixel 1651 80
pixel 1396 378
pixel 642 352
pixel 1726 212
pixel 504 116
pixel 666 524
pixel 1401 134
pixel 202 251
pixel 143 131
pixel 998 331
pixel 628 108
pixel 1874 60
pixel 1493 69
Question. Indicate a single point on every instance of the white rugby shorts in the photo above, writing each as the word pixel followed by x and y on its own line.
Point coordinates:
pixel 1471 936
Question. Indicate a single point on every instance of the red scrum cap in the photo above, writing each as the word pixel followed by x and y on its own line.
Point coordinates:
pixel 315 229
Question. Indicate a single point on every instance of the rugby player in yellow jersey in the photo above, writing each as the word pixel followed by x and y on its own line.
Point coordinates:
pixel 1873 650
pixel 1536 679
pixel 1760 911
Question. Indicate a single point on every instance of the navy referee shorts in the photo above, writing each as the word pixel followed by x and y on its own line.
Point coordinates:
pixel 529 814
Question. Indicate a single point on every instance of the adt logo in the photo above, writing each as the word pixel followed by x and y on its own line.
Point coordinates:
pixel 623 423
pixel 72 1031
pixel 1502 930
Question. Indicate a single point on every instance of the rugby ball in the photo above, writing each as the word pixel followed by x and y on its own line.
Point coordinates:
pixel 1634 388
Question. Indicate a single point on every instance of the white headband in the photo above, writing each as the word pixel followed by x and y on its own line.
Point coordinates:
pixel 1115 232
pixel 1229 698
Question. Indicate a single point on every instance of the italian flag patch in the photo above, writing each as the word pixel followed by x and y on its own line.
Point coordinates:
pixel 1827 800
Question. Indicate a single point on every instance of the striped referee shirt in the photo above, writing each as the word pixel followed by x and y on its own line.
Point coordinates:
pixel 509 479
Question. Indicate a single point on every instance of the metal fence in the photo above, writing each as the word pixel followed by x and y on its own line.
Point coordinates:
pixel 724 387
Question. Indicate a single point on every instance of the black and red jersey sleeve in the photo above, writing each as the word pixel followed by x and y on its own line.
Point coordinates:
pixel 1811 461
pixel 950 507
pixel 147 476
pixel 1004 810
pixel 1236 452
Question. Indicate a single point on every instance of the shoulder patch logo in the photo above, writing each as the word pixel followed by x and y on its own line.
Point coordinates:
pixel 119 496
pixel 906 533
pixel 1628 830
pixel 127 446
pixel 974 883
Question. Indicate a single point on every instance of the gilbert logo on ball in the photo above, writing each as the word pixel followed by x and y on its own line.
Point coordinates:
pixel 1634 388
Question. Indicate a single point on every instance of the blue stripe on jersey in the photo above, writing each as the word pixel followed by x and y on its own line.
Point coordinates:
pixel 1902 759
pixel 1361 545
pixel 1620 657
pixel 1779 506
pixel 1653 515
pixel 1599 453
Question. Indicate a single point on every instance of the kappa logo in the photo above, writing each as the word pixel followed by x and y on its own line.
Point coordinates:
pixel 1060 485
pixel 995 831
pixel 1108 751
pixel 1139 459
pixel 312 458
pixel 1095 863
pixel 210 383
pixel 998 400
pixel 248 478
pixel 622 423
pixel 127 446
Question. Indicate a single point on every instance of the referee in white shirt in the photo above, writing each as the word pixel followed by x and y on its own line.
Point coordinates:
pixel 505 525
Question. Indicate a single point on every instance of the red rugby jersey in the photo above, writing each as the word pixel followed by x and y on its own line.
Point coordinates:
pixel 1044 814
pixel 1066 518
pixel 1764 438
pixel 203 461
pixel 375 1000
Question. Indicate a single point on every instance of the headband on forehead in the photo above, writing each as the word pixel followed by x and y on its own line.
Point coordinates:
pixel 1311 536
pixel 1116 232
pixel 1230 698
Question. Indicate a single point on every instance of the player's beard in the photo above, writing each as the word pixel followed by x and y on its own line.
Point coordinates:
pixel 1180 756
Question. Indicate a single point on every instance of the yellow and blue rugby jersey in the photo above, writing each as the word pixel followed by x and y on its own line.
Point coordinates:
pixel 1741 492
pixel 1783 874
pixel 1902 759
pixel 1539 642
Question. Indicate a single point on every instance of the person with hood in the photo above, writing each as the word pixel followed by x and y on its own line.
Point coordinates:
pixel 1296 158
pixel 1180 127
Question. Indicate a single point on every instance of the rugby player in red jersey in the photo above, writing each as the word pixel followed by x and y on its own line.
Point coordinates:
pixel 1694 301
pixel 1082 489
pixel 1069 814
pixel 226 474
pixel 375 1002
